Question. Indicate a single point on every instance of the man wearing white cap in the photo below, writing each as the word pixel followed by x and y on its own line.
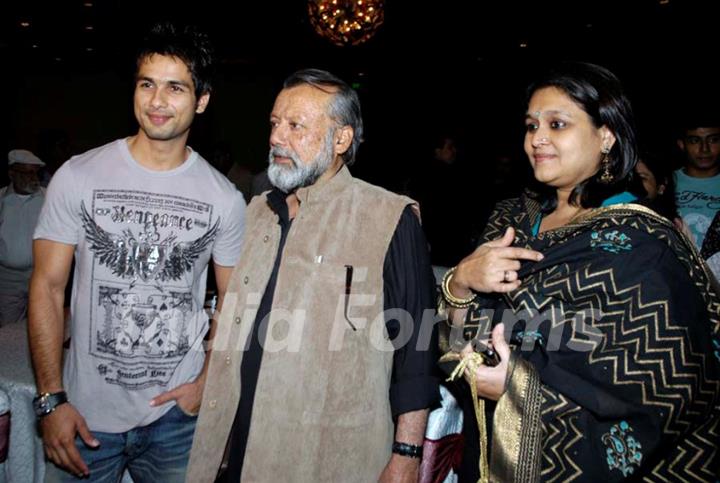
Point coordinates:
pixel 20 204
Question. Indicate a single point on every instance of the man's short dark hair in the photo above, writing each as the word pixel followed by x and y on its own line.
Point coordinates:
pixel 690 119
pixel 186 43
pixel 344 107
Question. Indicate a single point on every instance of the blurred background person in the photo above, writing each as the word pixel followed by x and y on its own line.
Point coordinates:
pixel 698 181
pixel 655 185
pixel 711 248
pixel 20 204
pixel 442 172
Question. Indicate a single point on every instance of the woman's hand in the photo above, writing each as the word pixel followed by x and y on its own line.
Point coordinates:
pixel 490 380
pixel 492 267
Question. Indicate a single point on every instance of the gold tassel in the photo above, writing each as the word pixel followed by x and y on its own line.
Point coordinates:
pixel 475 360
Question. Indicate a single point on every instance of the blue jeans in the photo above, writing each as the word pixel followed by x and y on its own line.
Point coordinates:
pixel 157 452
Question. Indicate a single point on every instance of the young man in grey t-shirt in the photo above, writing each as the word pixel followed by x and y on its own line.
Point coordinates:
pixel 142 217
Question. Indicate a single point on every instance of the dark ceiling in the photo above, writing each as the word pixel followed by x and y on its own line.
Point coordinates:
pixel 447 64
pixel 267 32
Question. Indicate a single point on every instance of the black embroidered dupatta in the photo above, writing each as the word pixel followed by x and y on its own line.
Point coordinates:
pixel 615 373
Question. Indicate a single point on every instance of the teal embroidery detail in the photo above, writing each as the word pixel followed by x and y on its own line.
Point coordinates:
pixel 611 241
pixel 716 346
pixel 623 451
pixel 533 335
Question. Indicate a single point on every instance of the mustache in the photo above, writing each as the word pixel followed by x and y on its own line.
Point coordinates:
pixel 283 153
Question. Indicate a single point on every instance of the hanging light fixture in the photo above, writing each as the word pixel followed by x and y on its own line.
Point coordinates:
pixel 346 22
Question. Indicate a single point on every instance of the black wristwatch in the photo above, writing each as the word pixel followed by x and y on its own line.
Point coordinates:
pixel 46 403
pixel 409 450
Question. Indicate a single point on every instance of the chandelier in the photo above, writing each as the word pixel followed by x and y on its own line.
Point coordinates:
pixel 346 22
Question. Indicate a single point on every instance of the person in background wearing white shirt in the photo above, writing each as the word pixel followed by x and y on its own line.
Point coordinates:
pixel 20 204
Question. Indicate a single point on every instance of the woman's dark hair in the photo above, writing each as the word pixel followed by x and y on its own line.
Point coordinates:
pixel 186 43
pixel 664 203
pixel 599 93
pixel 344 107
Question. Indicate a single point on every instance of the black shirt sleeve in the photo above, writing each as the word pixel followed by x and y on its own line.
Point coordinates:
pixel 410 290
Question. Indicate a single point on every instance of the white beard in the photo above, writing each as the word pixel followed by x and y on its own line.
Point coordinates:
pixel 290 178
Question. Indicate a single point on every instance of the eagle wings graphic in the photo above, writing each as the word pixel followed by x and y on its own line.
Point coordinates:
pixel 134 257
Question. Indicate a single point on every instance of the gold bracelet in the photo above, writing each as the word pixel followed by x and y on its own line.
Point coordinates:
pixel 452 300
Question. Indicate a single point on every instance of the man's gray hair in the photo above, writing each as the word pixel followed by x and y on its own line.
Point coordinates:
pixel 344 107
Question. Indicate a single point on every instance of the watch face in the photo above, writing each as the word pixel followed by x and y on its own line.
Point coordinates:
pixel 42 405
pixel 46 403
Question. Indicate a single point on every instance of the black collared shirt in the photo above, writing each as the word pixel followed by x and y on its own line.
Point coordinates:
pixel 408 285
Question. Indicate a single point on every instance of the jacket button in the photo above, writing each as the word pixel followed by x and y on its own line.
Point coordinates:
pixel 266 238
pixel 238 320
pixel 212 403
pixel 246 280
pixel 228 360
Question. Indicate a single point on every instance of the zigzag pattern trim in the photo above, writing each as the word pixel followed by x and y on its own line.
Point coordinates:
pixel 561 435
pixel 646 350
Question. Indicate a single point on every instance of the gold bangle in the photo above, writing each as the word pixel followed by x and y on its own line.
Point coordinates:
pixel 452 300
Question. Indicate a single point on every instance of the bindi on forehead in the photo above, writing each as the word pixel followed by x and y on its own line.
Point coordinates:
pixel 551 101
pixel 549 113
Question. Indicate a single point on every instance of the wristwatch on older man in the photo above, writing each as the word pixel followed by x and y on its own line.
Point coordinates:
pixel 46 403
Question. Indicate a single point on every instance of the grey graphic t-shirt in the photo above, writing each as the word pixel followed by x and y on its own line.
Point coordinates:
pixel 143 243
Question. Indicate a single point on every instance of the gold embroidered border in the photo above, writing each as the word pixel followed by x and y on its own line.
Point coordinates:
pixel 517 430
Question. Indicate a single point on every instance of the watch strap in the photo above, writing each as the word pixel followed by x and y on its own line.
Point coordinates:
pixel 404 449
pixel 46 403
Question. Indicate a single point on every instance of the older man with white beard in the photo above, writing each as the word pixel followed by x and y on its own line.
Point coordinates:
pixel 302 386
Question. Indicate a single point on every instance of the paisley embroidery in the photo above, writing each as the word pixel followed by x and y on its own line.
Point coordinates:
pixel 612 241
pixel 533 336
pixel 623 451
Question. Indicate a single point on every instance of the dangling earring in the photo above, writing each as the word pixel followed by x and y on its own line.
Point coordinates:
pixel 606 177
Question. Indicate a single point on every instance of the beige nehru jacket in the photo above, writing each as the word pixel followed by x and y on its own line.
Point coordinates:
pixel 321 409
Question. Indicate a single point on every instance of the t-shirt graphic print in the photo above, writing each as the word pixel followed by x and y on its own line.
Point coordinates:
pixel 145 246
